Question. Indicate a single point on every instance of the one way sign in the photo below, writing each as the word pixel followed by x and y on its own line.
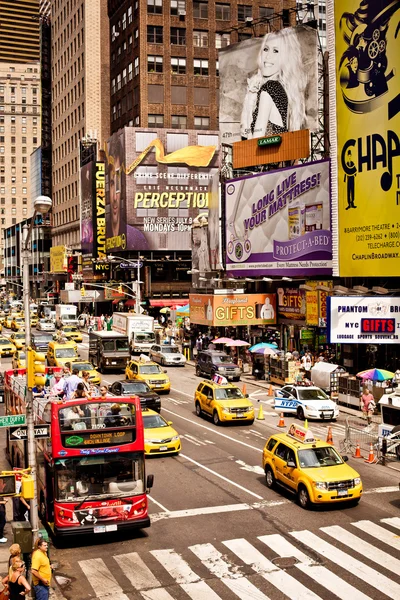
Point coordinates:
pixel 20 433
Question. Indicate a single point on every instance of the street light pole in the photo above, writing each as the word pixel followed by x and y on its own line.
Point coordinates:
pixel 138 265
pixel 42 204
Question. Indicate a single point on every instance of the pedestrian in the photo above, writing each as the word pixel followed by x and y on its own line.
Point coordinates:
pixel 104 391
pixel 16 581
pixel 396 378
pixel 15 553
pixel 367 404
pixel 49 378
pixel 306 363
pixel 57 388
pixel 41 570
pixel 3 502
pixel 71 383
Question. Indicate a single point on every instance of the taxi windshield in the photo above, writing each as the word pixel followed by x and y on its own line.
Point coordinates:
pixel 3 342
pixel 65 353
pixel 153 422
pixel 83 366
pixel 22 356
pixel 230 393
pixel 20 336
pixel 312 394
pixel 319 457
pixel 149 369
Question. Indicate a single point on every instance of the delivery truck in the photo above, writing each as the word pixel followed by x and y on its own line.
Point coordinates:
pixel 138 328
pixel 66 314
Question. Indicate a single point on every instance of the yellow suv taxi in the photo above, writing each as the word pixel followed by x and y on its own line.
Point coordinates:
pixel 310 468
pixel 18 339
pixel 17 323
pixel 223 402
pixel 150 372
pixel 60 353
pixel 6 347
pixel 72 333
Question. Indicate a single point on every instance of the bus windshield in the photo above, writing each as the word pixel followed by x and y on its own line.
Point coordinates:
pixel 99 477
pixel 97 415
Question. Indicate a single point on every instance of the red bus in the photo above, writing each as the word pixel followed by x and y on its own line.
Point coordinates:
pixel 91 470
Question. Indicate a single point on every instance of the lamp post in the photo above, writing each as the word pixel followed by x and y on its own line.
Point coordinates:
pixel 137 264
pixel 42 205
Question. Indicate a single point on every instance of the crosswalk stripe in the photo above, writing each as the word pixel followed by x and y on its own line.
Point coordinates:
pixel 184 576
pixel 136 571
pixel 320 574
pixel 393 521
pixel 227 573
pixel 380 533
pixel 101 579
pixel 368 550
pixel 350 564
pixel 287 584
pixel 158 594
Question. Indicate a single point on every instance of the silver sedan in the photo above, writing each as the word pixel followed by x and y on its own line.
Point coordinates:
pixel 45 325
pixel 167 355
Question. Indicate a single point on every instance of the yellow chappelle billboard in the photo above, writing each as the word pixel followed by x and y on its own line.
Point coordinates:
pixel 368 128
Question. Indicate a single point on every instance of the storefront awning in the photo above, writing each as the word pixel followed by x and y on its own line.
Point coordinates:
pixel 117 300
pixel 130 302
pixel 170 302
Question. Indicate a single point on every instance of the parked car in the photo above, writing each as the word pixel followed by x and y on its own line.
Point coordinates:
pixel 210 362
pixel 148 398
pixel 167 355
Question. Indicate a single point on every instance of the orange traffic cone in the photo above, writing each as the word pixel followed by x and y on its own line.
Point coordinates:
pixel 371 458
pixel 244 389
pixel 271 391
pixel 329 437
pixel 281 421
pixel 358 451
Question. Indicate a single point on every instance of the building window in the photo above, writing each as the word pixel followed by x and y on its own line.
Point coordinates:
pixel 124 21
pixel 130 14
pixel 200 39
pixel 179 122
pixel 178 7
pixel 130 71
pixel 155 94
pixel 200 10
pixel 154 34
pixel 178 36
pixel 154 7
pixel 178 65
pixel 156 121
pixel 154 64
pixel 200 67
pixel 136 66
pixel 244 36
pixel 222 40
pixel 244 12
pixel 223 12
pixel 266 12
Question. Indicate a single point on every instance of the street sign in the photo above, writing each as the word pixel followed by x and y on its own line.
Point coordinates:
pixel 131 265
pixel 269 141
pixel 20 433
pixel 11 420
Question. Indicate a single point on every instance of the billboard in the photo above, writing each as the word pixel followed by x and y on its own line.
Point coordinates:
pixel 363 320
pixel 223 310
pixel 279 222
pixel 269 85
pixel 291 304
pixel 58 259
pixel 87 195
pixel 156 185
pixel 206 233
pixel 368 145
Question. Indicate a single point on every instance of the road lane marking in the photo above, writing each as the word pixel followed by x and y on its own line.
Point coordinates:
pixel 382 490
pixel 158 503
pixel 240 487
pixel 369 551
pixel 137 572
pixel 101 579
pixel 195 440
pixel 179 570
pixel 288 585
pixel 212 430
pixel 393 521
pixel 350 564
pixel 175 401
pixel 309 567
pixel 252 469
pixel 226 572
pixel 380 533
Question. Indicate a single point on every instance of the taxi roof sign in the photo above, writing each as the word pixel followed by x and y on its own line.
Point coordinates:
pixel 301 434
pixel 219 379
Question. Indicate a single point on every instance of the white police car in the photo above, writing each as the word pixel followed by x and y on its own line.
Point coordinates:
pixel 305 402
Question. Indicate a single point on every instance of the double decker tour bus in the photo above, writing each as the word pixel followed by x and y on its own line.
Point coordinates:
pixel 91 470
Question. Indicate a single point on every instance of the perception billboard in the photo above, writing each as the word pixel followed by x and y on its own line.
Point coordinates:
pixel 156 185
pixel 269 85
pixel 279 223
pixel 368 125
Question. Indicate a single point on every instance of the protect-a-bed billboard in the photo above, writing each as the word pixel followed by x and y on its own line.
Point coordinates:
pixel 279 223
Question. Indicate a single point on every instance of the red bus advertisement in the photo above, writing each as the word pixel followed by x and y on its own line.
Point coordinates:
pixel 91 470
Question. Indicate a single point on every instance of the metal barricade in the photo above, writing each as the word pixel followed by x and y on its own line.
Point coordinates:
pixel 359 432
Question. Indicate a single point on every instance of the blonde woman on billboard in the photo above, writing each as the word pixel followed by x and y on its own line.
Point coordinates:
pixel 274 101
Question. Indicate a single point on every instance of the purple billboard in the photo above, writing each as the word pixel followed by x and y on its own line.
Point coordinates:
pixel 279 223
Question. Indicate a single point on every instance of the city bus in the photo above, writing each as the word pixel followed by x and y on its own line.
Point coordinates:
pixel 91 469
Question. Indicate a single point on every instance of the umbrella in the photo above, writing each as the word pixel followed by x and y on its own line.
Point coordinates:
pixel 376 374
pixel 267 350
pixel 237 343
pixel 263 345
pixel 165 310
pixel 222 340
pixel 184 310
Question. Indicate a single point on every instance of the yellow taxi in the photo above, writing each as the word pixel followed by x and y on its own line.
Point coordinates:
pixel 7 321
pixel 150 372
pixel 34 319
pixel 223 402
pixel 94 376
pixel 1 327
pixel 18 339
pixel 17 323
pixel 19 360
pixel 159 436
pixel 310 468
pixel 72 333
pixel 6 347
pixel 59 353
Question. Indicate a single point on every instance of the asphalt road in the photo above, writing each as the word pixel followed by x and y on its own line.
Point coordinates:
pixel 219 533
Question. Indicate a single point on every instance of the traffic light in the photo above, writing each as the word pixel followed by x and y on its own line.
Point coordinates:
pixel 27 487
pixel 83 291
pixel 36 368
pixel 7 484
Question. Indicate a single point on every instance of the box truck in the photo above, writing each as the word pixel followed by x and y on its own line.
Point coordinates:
pixel 138 328
pixel 66 314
